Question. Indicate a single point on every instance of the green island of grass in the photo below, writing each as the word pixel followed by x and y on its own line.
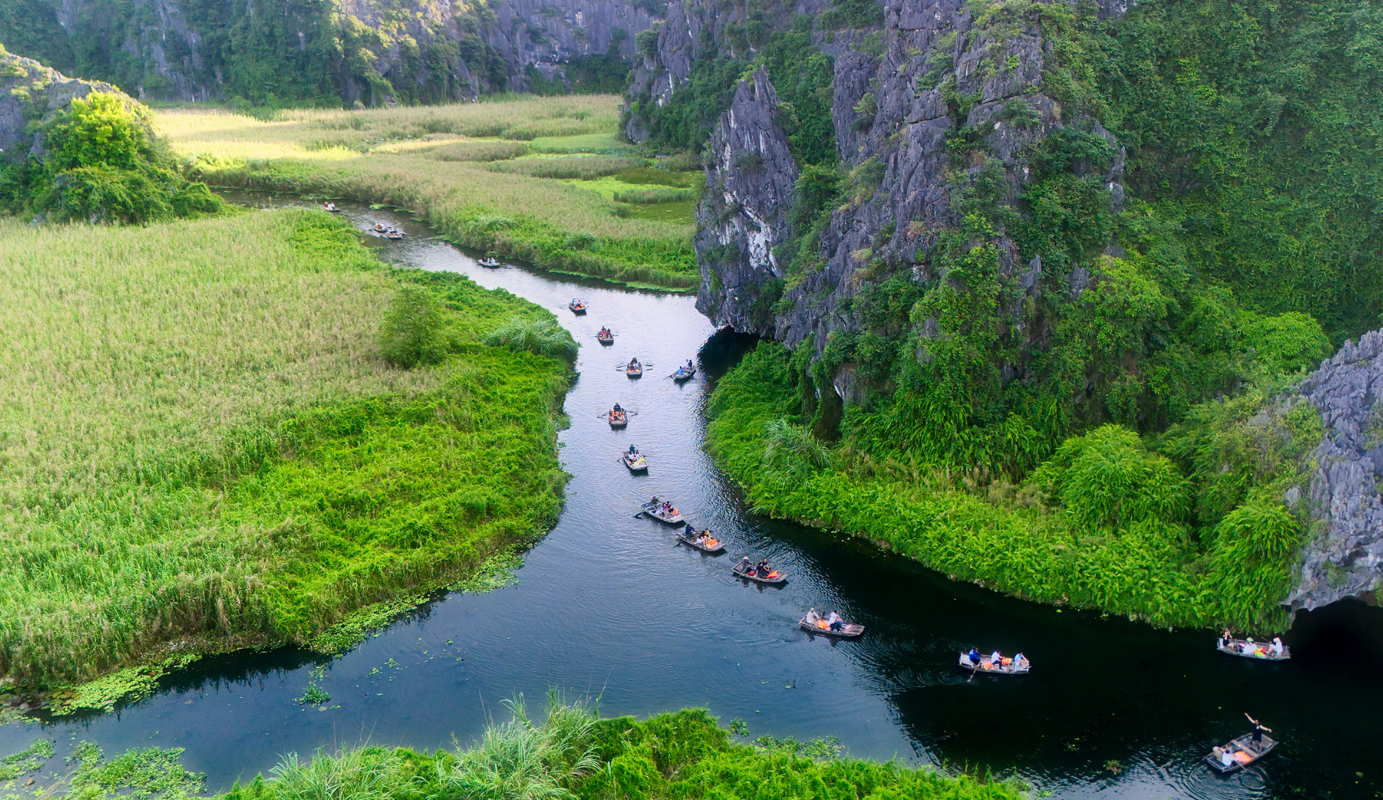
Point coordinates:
pixel 541 179
pixel 570 755
pixel 206 447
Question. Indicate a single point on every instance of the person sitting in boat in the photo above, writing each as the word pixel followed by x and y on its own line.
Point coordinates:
pixel 689 364
pixel 813 617
pixel 762 568
pixel 707 540
pixel 1249 647
pixel 996 658
pixel 604 331
pixel 379 227
pixel 689 532
pixel 1225 755
pixel 974 656
pixel 834 622
pixel 1276 647
pixel 745 566
pixel 633 451
pixel 1225 639
pixel 633 363
pixel 618 410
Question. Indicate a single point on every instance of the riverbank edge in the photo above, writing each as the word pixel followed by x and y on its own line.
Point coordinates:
pixel 317 182
pixel 134 682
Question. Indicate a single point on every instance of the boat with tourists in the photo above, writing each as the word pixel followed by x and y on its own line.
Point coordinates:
pixel 663 512
pixel 605 336
pixel 1239 753
pixel 618 417
pixel 816 624
pixel 577 307
pixel 994 664
pixel 633 369
pixel 702 541
pixel 635 462
pixel 490 260
pixel 330 208
pixel 1248 648
pixel 684 373
pixel 758 573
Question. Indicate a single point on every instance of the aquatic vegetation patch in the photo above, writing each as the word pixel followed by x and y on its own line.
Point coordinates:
pixel 126 685
pixel 27 760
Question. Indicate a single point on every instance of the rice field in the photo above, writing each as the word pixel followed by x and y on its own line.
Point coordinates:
pixel 509 175
pixel 200 445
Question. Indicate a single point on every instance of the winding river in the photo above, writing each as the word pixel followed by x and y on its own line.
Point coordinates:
pixel 608 607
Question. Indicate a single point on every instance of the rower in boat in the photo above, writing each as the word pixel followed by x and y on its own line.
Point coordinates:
pixel 745 566
pixel 330 207
pixel 379 227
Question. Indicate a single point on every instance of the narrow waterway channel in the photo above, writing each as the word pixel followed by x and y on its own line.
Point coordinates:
pixel 608 607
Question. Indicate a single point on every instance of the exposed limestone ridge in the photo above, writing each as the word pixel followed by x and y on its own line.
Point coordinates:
pixel 743 214
pixel 1345 558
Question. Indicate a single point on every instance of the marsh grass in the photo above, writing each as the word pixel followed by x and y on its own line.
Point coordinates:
pixel 199 440
pixel 436 160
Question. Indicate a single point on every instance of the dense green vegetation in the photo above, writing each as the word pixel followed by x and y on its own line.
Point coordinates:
pixel 570 755
pixel 523 176
pixel 204 446
pixel 98 160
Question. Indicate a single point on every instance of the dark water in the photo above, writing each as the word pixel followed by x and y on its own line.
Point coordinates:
pixel 607 606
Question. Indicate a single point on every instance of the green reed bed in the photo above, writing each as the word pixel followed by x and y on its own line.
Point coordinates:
pixel 200 445
pixel 429 160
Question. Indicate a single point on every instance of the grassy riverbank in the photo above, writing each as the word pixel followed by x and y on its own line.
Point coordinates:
pixel 570 754
pixel 201 446
pixel 514 175
pixel 1185 530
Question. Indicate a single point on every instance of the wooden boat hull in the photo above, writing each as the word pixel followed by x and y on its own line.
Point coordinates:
pixel 675 519
pixel 639 464
pixel 332 210
pixel 1236 646
pixel 712 551
pixel 577 309
pixel 850 631
pixel 634 373
pixel 969 666
pixel 1244 744
pixel 778 581
pixel 618 422
pixel 489 262
pixel 683 375
pixel 605 339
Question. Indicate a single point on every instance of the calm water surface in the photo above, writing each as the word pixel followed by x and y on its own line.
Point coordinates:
pixel 608 606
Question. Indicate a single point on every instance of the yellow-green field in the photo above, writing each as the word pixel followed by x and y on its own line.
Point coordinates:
pixel 509 175
pixel 200 444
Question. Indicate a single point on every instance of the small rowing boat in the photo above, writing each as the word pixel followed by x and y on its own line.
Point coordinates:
pixel 1259 651
pixel 655 511
pixel 773 578
pixel 636 462
pixel 393 235
pixel 634 369
pixel 684 374
pixel 331 208
pixel 605 337
pixel 849 630
pixel 489 261
pixel 1006 666
pixel 618 419
pixel 711 547
pixel 577 307
pixel 1241 753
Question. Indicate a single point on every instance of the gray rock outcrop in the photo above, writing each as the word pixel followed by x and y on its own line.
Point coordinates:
pixel 31 92
pixel 1344 557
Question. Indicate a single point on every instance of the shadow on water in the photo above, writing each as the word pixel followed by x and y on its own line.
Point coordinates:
pixel 609 606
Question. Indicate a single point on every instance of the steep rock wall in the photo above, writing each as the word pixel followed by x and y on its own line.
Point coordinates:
pixel 33 93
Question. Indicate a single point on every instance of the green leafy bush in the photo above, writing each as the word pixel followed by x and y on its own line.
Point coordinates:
pixel 412 332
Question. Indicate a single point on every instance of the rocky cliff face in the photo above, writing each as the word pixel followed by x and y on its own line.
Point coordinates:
pixel 29 93
pixel 1344 557
pixel 365 50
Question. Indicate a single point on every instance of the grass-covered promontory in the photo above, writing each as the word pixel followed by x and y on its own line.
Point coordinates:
pixel 202 444
pixel 545 179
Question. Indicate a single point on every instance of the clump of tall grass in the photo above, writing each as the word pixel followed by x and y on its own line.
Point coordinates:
pixel 544 337
pixel 655 196
pixel 519 760
pixel 478 151
pixel 568 168
pixel 412 334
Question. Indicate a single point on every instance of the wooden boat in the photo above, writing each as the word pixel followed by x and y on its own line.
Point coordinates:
pixel 684 374
pixel 774 578
pixel 331 208
pixel 634 369
pixel 618 419
pixel 849 630
pixel 988 667
pixel 605 337
pixel 577 307
pixel 709 549
pixel 636 462
pixel 674 518
pixel 1257 651
pixel 489 261
pixel 1242 753
pixel 394 235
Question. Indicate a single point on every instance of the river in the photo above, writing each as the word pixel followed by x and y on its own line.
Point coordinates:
pixel 608 607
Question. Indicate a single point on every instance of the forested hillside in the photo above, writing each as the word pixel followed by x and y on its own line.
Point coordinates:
pixel 332 52
pixel 1039 259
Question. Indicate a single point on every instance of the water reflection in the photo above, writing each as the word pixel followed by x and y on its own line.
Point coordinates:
pixel 609 606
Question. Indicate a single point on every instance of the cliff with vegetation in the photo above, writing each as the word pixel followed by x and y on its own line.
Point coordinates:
pixel 329 52
pixel 999 238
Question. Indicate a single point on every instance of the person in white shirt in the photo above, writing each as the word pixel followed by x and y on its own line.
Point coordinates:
pixel 834 621
pixel 1276 647
pixel 997 659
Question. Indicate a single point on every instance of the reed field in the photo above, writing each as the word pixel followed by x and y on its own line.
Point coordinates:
pixel 200 445
pixel 508 175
